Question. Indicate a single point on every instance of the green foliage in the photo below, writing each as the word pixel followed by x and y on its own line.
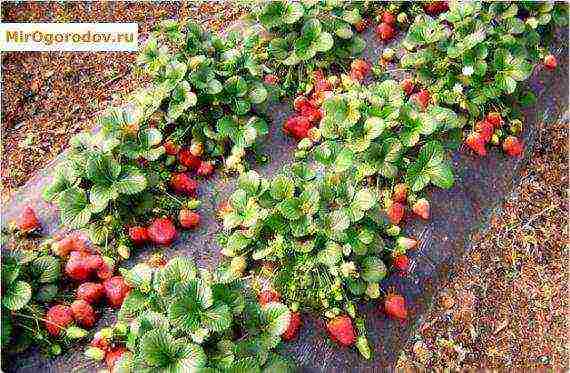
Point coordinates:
pixel 475 56
pixel 184 319
pixel 29 281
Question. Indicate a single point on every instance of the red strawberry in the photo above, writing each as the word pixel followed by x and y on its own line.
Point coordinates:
pixel 436 7
pixel 297 126
pixel 139 235
pixel 57 318
pixel 28 221
pixel 106 269
pixel 550 62
pixel 301 103
pixel 113 356
pixel 400 192
pixel 422 98
pixel 485 129
pixel 188 219
pixel 388 18
pixel 513 146
pixel 321 83
pixel 205 169
pixel 77 267
pixel 186 158
pixel 116 290
pixel 341 331
pixel 385 32
pixel 421 208
pixel 162 232
pixel 293 328
pixel 361 65
pixel 184 184
pixel 102 340
pixel 408 86
pixel 72 242
pixel 271 79
pixel 93 262
pixel 268 296
pixel 171 147
pixel 90 292
pixel 402 263
pixel 395 306
pixel 361 25
pixel 83 313
pixel 395 213
pixel 476 142
pixel 495 119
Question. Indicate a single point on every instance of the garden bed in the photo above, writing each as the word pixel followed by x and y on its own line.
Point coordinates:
pixel 481 183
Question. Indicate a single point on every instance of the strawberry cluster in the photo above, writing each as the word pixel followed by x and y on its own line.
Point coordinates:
pixel 386 29
pixel 94 274
pixel 307 110
pixel 435 8
pixel 488 130
pixel 103 346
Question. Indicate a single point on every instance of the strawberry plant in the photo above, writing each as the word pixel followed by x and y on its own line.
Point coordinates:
pixel 181 318
pixel 309 35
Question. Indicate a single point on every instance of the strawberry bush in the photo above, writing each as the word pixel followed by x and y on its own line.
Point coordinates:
pixel 322 234
pixel 181 318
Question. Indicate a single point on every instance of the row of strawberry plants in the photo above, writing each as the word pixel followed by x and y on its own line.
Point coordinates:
pixel 384 142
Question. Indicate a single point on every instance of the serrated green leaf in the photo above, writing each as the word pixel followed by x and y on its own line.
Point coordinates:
pixel 17 295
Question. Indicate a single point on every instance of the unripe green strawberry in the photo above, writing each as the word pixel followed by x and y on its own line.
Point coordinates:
pixel 388 54
pixel 393 230
pixel 402 18
pixel 363 347
pixel 124 251
pixel 95 353
pixel 238 265
pixel 75 332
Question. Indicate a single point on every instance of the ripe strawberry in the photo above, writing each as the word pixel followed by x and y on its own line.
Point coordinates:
pixel 477 143
pixel 93 262
pixel 116 290
pixel 402 263
pixel 292 330
pixel 72 242
pixel 268 296
pixel 513 146
pixel 421 208
pixel 436 7
pixel 385 31
pixel 57 318
pixel 205 169
pixel 400 192
pixel 360 65
pixel 90 292
pixel 83 313
pixel 106 268
pixel 271 79
pixel 139 235
pixel 28 221
pixel 171 147
pixel 113 356
pixel 361 25
pixel 186 158
pixel 395 306
pixel 550 62
pixel 77 267
pixel 188 219
pixel 341 331
pixel 395 213
pixel 321 83
pixel 485 129
pixel 297 126
pixel 184 184
pixel 388 18
pixel 495 119
pixel 162 232
pixel 102 339
pixel 408 86
pixel 422 98
pixel 301 103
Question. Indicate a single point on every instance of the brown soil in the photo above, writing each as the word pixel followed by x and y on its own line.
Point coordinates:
pixel 506 306
pixel 47 97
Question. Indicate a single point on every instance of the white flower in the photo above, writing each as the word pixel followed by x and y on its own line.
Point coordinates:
pixel 468 70
pixel 457 88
